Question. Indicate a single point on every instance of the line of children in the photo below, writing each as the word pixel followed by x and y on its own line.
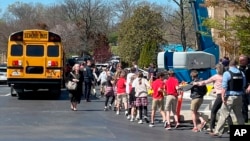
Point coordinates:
pixel 134 97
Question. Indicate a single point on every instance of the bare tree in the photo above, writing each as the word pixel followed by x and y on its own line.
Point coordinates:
pixel 179 25
pixel 25 15
pixel 20 16
pixel 124 8
pixel 90 17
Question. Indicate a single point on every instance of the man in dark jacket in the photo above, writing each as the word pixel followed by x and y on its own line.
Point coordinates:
pixel 88 79
pixel 243 66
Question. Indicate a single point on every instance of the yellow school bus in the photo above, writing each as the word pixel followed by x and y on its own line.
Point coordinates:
pixel 35 61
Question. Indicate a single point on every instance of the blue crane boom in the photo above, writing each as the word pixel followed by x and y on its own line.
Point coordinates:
pixel 203 34
pixel 203 60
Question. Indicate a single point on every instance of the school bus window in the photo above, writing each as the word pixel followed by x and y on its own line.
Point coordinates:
pixel 16 50
pixel 35 50
pixel 53 51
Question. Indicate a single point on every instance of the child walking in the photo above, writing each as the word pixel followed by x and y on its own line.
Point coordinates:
pixel 141 86
pixel 132 103
pixel 158 99
pixel 109 93
pixel 171 87
pixel 197 94
pixel 121 93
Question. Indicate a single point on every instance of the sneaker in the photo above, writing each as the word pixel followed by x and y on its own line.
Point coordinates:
pixel 168 127
pixel 105 109
pixel 110 107
pixel 132 119
pixel 137 117
pixel 165 124
pixel 140 122
pixel 177 125
pixel 117 112
pixel 126 113
pixel 151 125
pixel 146 119
pixel 128 117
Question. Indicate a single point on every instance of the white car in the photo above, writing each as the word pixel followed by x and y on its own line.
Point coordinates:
pixel 3 73
pixel 101 66
pixel 144 72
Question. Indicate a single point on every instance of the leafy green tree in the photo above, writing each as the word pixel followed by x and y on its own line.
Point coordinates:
pixel 144 26
pixel 236 33
pixel 148 54
pixel 242 26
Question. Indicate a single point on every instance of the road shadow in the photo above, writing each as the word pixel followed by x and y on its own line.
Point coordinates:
pixel 43 95
pixel 92 110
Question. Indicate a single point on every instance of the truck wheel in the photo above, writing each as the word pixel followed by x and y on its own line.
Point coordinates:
pixel 12 92
pixel 20 92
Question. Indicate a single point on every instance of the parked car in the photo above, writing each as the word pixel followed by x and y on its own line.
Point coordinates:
pixel 144 72
pixel 101 66
pixel 3 73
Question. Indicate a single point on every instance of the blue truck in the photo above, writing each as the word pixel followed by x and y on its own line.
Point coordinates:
pixel 203 60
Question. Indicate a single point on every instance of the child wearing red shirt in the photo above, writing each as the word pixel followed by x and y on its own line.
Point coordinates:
pixel 158 99
pixel 171 86
pixel 121 93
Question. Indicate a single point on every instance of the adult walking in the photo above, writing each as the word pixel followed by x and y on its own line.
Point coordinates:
pixel 233 84
pixel 75 95
pixel 88 79
pixel 243 66
pixel 152 70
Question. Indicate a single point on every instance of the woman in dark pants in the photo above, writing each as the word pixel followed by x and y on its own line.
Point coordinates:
pixel 75 95
pixel 217 83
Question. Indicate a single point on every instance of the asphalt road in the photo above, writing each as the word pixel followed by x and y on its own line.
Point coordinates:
pixel 38 117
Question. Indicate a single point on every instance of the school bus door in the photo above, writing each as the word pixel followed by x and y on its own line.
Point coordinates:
pixel 34 61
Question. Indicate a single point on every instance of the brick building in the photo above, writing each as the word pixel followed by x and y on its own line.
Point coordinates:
pixel 221 13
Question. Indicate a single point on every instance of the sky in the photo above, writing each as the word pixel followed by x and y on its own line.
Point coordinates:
pixel 5 3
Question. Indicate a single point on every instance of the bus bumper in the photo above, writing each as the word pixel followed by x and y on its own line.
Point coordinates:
pixel 35 83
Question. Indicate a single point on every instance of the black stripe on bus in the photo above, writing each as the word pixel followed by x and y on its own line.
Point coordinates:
pixel 53 68
pixel 14 67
